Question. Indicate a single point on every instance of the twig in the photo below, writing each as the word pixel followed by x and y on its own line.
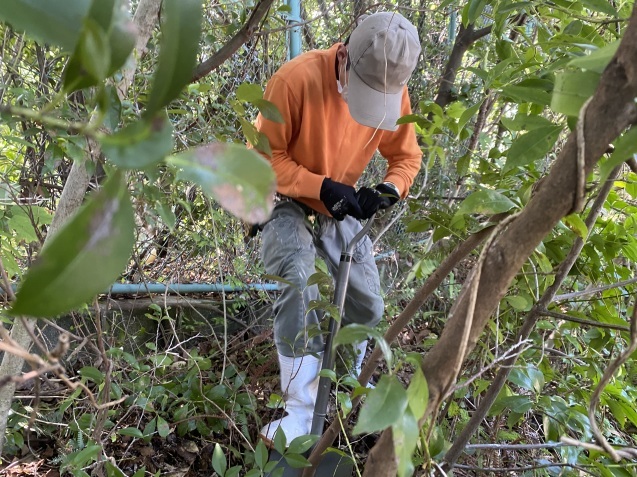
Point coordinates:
pixel 592 291
pixel 626 452
pixel 513 352
pixel 582 321
pixel 516 470
pixel 547 445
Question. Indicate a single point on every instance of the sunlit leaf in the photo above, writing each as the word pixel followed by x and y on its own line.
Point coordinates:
pixel 598 59
pixel 577 225
pixel 240 179
pixel 487 202
pixel 572 89
pixel 602 6
pixel 84 258
pixel 249 92
pixel 181 30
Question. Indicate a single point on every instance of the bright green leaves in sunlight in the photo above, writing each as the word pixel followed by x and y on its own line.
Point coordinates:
pixel 140 144
pixel 57 22
pixel 106 40
pixel 240 179
pixel 181 29
pixel 84 258
pixel 574 86
pixel 253 94
pixel 487 202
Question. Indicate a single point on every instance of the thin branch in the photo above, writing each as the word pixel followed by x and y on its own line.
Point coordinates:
pixel 546 445
pixel 592 291
pixel 516 470
pixel 241 37
pixel 582 321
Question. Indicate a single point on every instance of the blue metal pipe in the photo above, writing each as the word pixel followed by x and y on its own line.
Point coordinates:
pixel 295 32
pixel 137 288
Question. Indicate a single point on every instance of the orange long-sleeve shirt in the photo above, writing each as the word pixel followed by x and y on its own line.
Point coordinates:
pixel 319 138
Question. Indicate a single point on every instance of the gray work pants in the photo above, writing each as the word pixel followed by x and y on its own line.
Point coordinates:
pixel 290 245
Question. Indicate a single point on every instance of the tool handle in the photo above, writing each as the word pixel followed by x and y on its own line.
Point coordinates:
pixel 340 291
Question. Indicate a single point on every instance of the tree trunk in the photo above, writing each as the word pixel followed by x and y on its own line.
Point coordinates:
pixel 70 200
pixel 611 110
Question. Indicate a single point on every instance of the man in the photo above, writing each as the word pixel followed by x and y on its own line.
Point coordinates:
pixel 339 106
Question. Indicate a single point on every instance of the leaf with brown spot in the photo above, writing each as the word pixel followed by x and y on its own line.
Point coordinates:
pixel 240 179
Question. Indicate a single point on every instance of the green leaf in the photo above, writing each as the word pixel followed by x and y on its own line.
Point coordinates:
pixel 602 6
pixel 486 201
pixel 405 434
pixel 131 431
pixel 518 302
pixel 178 52
pixel 92 373
pixel 523 94
pixel 122 36
pixel 523 122
pixel 598 59
pixel 91 60
pixel 355 333
pixel 468 114
pixel 572 89
pixel 260 454
pixel 577 225
pixel 163 429
pixel 140 144
pixel 625 148
pixel 84 258
pixel 296 461
pixel 268 110
pixel 240 179
pixel 418 394
pixel 249 92
pixel 476 7
pixel 302 443
pixel 57 22
pixel 531 146
pixel 384 406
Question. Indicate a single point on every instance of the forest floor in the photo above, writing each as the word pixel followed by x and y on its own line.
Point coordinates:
pixel 176 454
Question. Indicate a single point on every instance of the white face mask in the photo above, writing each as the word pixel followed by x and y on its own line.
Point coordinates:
pixel 342 88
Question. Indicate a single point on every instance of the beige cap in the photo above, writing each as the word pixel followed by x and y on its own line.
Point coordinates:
pixel 383 51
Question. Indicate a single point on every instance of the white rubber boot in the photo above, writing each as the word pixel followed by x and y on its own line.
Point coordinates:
pixel 299 383
pixel 360 350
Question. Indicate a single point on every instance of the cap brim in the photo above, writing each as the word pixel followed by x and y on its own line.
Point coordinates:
pixel 372 108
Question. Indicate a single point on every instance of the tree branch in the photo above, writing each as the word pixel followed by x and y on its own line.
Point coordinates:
pixel 242 36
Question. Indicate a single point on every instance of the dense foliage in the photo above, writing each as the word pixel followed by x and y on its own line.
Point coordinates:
pixel 500 87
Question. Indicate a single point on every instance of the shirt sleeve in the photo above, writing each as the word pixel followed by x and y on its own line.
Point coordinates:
pixel 401 150
pixel 293 179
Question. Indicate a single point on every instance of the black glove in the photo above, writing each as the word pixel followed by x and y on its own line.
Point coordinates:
pixel 371 201
pixel 340 199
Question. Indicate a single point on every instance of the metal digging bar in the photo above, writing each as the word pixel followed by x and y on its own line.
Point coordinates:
pixel 332 464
